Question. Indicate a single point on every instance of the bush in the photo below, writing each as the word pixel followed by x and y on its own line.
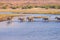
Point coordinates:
pixel 49 6
pixel 52 6
pixel 58 7
pixel 13 7
pixel 4 7
pixel 37 6
pixel 27 7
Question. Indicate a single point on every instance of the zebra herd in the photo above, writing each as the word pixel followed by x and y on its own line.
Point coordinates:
pixel 31 19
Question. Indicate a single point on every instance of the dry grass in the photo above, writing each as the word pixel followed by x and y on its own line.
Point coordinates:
pixel 33 11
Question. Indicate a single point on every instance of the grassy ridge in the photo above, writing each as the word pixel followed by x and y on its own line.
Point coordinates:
pixel 33 11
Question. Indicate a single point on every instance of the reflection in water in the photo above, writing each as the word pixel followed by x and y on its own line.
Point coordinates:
pixel 31 31
pixel 9 22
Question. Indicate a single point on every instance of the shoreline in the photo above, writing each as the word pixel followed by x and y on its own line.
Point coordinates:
pixel 22 12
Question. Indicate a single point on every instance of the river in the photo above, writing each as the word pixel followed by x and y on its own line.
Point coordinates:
pixel 38 30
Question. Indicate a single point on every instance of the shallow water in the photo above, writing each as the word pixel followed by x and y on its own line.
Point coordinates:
pixel 38 30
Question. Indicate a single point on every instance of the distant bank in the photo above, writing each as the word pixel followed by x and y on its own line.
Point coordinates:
pixel 33 11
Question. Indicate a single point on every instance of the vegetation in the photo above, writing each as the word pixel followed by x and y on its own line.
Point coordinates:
pixel 44 6
pixel 27 7
pixel 49 6
pixel 4 7
pixel 14 7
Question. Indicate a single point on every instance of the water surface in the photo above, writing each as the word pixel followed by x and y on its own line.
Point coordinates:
pixel 38 30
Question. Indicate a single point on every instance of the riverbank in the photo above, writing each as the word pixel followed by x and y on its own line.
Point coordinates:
pixel 3 17
pixel 16 12
pixel 33 11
